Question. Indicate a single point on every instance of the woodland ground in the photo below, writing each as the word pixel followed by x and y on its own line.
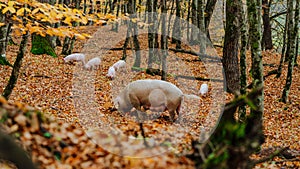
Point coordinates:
pixel 46 83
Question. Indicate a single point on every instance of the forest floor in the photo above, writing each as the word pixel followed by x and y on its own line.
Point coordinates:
pixel 53 87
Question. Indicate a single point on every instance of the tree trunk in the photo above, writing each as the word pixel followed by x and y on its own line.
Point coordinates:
pixel 254 17
pixel 16 68
pixel 267 34
pixel 115 25
pixel 133 27
pixel 290 20
pixel 201 27
pixel 66 45
pixel 209 9
pixel 188 21
pixel 230 51
pixel 151 34
pixel 177 26
pixel 293 52
pixel 164 41
pixel 282 58
pixel 3 36
pixel 231 144
pixel 170 16
pixel 297 50
pixel 194 31
pixel 11 151
pixel 243 65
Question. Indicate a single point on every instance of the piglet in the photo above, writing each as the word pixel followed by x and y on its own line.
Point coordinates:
pixel 203 89
pixel 119 65
pixel 111 72
pixel 93 63
pixel 75 57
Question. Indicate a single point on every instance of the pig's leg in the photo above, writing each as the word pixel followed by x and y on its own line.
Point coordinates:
pixel 171 108
pixel 135 102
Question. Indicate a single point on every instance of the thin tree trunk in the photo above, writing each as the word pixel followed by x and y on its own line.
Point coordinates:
pixel 209 9
pixel 188 21
pixel 115 25
pixel 243 65
pixel 132 11
pixel 293 52
pixel 230 50
pixel 151 34
pixel 254 17
pixel 3 36
pixel 177 27
pixel 297 50
pixel 194 31
pixel 170 16
pixel 66 44
pixel 297 13
pixel 164 42
pixel 16 68
pixel 290 20
pixel 267 34
pixel 201 27
pixel 282 58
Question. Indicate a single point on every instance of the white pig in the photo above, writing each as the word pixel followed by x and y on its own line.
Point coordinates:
pixel 93 63
pixel 119 65
pixel 150 94
pixel 111 72
pixel 75 57
pixel 203 89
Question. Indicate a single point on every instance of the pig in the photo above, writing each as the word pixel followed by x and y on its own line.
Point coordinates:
pixel 93 63
pixel 119 65
pixel 203 89
pixel 75 57
pixel 111 72
pixel 150 94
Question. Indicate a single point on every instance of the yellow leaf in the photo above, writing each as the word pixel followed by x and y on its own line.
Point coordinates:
pixel 86 35
pixel 2 24
pixel 36 10
pixel 52 14
pixel 68 21
pixel 20 12
pixel 134 20
pixel 17 32
pixel 84 20
pixel 2 5
pixel 79 36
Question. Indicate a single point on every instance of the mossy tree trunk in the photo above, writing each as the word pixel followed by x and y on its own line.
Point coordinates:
pixel 243 65
pixel 292 52
pixel 254 18
pixel 232 142
pixel 231 44
pixel 290 29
